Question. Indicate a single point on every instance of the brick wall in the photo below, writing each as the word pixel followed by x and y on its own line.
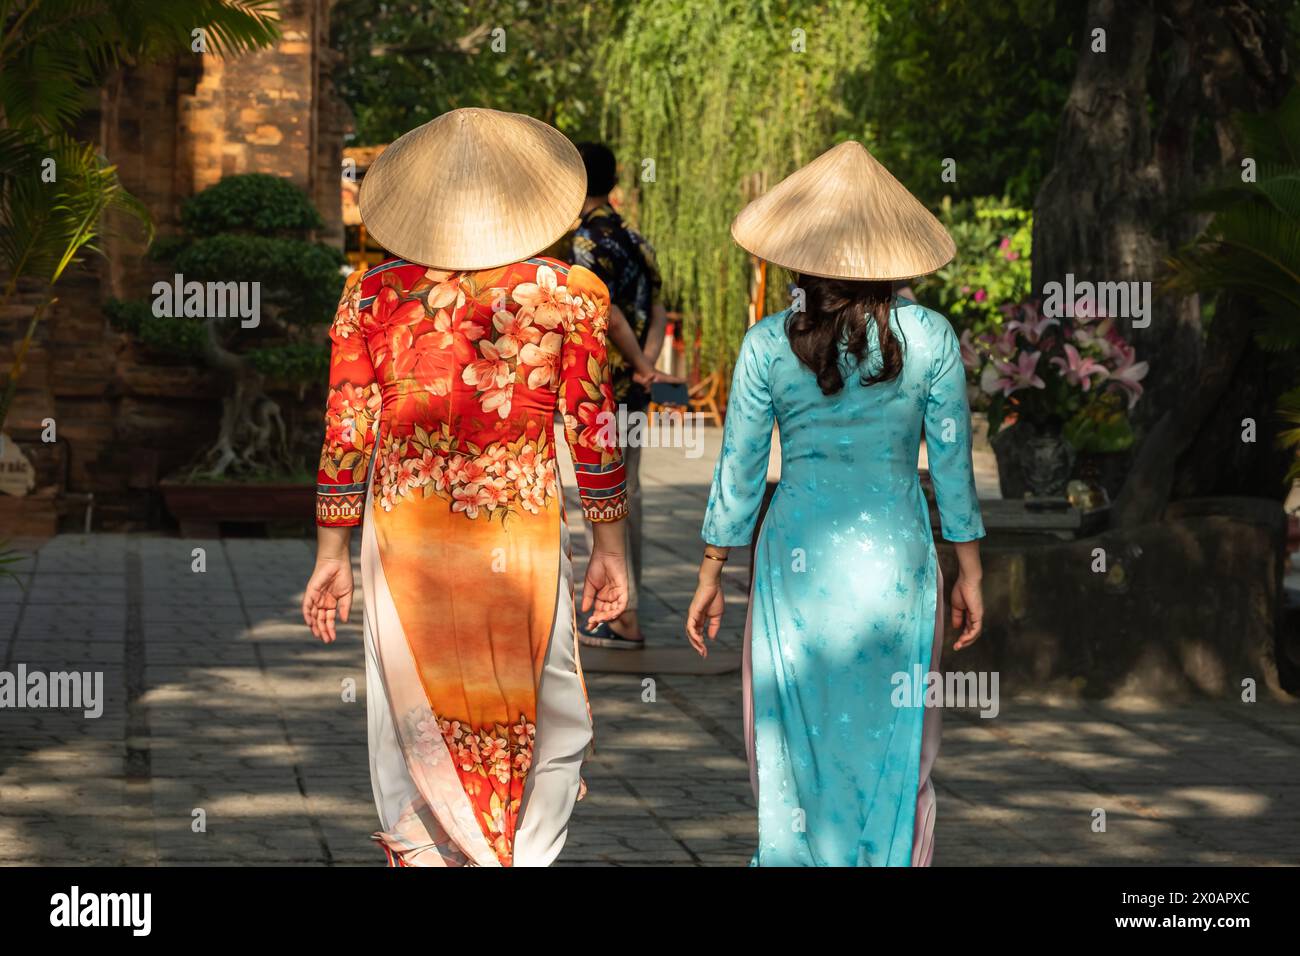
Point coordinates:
pixel 124 418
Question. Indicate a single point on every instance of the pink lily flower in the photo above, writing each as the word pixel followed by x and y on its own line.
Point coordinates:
pixel 1128 374
pixel 1077 368
pixel 1004 345
pixel 1024 374
pixel 1032 324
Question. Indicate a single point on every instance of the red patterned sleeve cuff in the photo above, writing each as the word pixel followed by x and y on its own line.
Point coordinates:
pixel 602 489
pixel 607 509
pixel 339 507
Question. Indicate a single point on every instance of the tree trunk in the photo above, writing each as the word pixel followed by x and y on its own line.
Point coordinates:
pixel 253 438
pixel 1145 129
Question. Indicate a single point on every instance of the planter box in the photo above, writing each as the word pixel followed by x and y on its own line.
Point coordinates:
pixel 202 508
pixel 32 516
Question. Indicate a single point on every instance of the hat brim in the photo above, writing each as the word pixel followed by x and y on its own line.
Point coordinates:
pixel 473 189
pixel 843 216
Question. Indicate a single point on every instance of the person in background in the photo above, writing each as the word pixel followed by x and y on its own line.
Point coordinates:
pixel 622 259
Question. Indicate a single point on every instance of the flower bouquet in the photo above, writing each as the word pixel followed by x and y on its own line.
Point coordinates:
pixel 1071 381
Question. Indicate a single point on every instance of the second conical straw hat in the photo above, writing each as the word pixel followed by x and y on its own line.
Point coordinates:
pixel 473 189
pixel 843 216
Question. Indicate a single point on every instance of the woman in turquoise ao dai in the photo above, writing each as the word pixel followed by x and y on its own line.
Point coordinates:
pixel 847 590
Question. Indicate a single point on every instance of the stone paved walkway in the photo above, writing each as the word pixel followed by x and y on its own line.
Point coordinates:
pixel 219 702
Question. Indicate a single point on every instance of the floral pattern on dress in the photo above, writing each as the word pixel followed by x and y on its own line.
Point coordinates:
pixel 422 339
pixel 497 481
pixel 492 763
pixel 350 414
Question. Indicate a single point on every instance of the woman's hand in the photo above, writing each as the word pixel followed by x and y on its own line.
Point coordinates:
pixel 606 585
pixel 329 591
pixel 648 375
pixel 705 613
pixel 967 610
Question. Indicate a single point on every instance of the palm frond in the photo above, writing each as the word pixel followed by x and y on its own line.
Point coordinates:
pixel 1288 409
pixel 54 52
pixel 1274 136
pixel 47 225
pixel 152 29
pixel 1252 244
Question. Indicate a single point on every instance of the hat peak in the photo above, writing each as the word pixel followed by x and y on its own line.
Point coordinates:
pixel 844 216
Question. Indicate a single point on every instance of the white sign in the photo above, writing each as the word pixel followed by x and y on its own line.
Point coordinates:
pixel 17 476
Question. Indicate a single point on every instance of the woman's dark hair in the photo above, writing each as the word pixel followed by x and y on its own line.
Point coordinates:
pixel 834 322
pixel 602 171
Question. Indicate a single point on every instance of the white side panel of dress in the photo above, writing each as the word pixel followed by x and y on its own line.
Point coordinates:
pixel 563 735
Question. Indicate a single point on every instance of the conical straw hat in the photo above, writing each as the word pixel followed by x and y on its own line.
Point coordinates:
pixel 473 189
pixel 843 216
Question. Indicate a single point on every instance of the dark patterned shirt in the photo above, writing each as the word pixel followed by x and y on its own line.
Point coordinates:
pixel 625 262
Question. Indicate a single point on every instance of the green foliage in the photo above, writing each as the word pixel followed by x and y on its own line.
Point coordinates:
pixel 728 107
pixel 405 63
pixel 10 557
pixel 166 248
pixel 180 337
pixel 252 202
pixel 293 362
pixel 299 280
pixel 972 80
pixel 714 94
pixel 992 268
pixel 53 53
pixel 46 226
pixel 1101 426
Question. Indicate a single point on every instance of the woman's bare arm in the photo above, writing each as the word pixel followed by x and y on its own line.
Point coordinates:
pixel 967 594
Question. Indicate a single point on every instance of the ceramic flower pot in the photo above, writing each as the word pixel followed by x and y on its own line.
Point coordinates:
pixel 1045 465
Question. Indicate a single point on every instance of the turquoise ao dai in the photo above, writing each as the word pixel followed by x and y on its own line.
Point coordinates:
pixel 845 576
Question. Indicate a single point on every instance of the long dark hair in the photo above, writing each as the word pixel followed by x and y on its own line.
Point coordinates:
pixel 834 318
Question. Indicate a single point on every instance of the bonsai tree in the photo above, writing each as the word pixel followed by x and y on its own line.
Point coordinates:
pixel 245 293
